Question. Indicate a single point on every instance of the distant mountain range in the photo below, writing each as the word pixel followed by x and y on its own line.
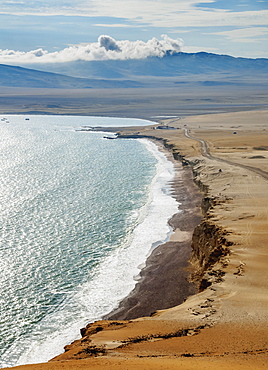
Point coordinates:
pixel 12 76
pixel 179 64
pixel 206 68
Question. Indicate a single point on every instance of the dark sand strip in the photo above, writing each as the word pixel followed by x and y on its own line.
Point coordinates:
pixel 164 280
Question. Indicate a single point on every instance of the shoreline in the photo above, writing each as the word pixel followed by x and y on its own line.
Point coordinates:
pixel 225 324
pixel 158 288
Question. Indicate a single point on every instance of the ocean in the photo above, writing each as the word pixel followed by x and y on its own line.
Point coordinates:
pixel 79 215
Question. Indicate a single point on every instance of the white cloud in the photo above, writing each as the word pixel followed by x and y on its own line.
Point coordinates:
pixel 244 34
pixel 247 41
pixel 175 16
pixel 113 25
pixel 106 48
pixel 157 13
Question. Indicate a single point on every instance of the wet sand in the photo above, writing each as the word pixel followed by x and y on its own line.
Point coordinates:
pixel 164 282
pixel 224 325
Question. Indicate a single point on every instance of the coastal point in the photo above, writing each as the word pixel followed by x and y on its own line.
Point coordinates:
pixel 134 185
pixel 218 318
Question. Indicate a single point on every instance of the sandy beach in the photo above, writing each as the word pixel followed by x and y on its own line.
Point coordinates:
pixel 158 287
pixel 202 299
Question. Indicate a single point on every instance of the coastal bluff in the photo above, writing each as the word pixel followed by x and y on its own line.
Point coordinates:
pixel 222 323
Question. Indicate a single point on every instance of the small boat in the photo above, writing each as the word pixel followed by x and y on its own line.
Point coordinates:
pixel 109 137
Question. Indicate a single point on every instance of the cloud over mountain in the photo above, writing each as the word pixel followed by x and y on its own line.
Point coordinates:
pixel 107 48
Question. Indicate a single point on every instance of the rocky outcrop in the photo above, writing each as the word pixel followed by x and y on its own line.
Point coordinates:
pixel 209 251
pixel 175 152
pixel 210 246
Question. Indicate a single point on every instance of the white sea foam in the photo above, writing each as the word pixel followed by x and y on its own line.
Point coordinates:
pixel 59 235
pixel 114 277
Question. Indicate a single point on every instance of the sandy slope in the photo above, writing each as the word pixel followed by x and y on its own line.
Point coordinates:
pixel 225 325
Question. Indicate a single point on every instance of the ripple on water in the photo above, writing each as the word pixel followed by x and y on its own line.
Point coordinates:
pixel 78 215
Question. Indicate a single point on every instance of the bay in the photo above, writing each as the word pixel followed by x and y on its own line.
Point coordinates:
pixel 78 215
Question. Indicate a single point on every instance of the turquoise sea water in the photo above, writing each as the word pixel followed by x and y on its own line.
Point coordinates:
pixel 79 214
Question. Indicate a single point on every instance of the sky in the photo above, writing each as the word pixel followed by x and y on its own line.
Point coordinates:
pixel 65 30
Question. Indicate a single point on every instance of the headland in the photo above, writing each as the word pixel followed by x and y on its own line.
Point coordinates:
pixel 223 165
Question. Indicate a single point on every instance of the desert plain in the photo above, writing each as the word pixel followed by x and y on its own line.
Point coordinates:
pixel 222 161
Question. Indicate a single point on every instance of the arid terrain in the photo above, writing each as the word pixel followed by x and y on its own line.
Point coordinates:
pixel 183 99
pixel 223 325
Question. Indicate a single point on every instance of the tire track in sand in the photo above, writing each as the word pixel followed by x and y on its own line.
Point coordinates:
pixel 206 153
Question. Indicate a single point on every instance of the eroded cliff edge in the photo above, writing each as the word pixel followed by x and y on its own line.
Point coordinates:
pixel 199 261
pixel 224 325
